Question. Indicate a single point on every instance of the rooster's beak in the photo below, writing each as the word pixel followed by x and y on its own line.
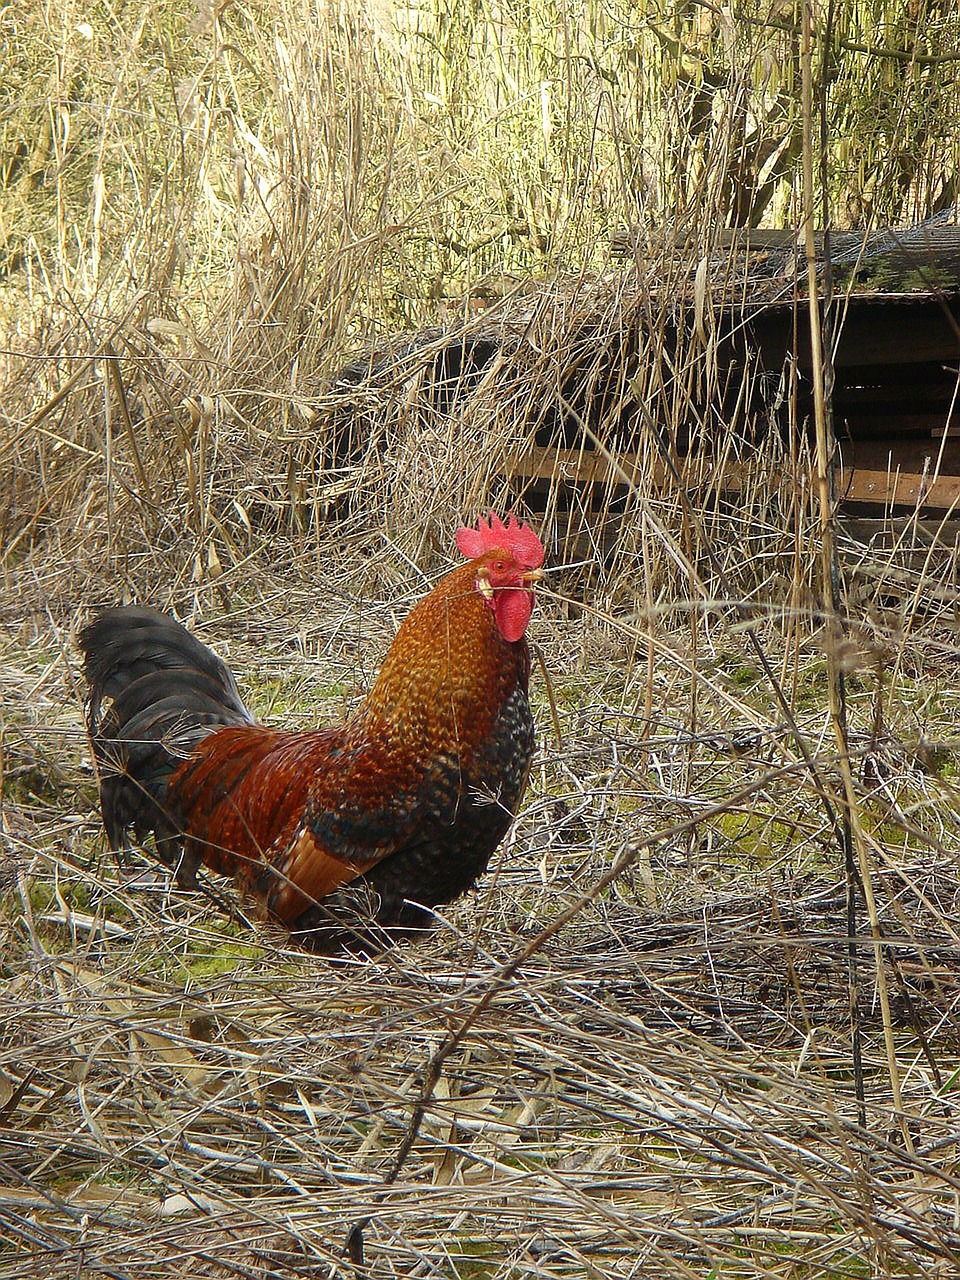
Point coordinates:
pixel 532 576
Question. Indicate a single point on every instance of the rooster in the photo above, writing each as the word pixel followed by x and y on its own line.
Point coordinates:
pixel 347 835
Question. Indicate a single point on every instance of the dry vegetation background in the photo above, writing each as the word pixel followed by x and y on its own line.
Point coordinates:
pixel 715 1067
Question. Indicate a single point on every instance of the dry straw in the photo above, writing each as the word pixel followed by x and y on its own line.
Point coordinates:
pixel 289 289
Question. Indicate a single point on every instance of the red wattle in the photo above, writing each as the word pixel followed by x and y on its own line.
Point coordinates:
pixel 512 609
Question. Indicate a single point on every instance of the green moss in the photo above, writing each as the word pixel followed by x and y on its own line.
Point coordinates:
pixel 936 758
pixel 474 1259
pixel 756 834
pixel 214 960
pixel 813 684
pixel 45 898
pixel 32 784
pixel 844 1266
pixel 745 675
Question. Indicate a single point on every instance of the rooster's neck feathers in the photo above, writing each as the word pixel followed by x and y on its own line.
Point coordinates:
pixel 448 656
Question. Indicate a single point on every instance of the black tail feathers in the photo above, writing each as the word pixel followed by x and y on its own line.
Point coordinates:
pixel 155 691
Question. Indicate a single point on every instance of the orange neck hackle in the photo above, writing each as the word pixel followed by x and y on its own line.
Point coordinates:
pixel 450 664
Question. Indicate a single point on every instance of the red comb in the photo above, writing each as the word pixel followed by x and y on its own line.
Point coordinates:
pixel 493 534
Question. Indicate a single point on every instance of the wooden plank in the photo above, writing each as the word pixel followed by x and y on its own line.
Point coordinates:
pixel 926 242
pixel 899 488
pixel 873 335
pixel 587 467
pixel 581 466
pixel 906 454
pixel 890 427
pixel 905 529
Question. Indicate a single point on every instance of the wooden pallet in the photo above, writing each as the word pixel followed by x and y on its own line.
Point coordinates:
pixel 870 486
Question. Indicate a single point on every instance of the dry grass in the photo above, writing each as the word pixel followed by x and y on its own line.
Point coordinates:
pixel 213 221
pixel 666 1083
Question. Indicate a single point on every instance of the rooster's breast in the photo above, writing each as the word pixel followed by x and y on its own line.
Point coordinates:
pixel 461 808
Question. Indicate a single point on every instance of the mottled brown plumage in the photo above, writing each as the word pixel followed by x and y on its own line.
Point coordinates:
pixel 344 834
